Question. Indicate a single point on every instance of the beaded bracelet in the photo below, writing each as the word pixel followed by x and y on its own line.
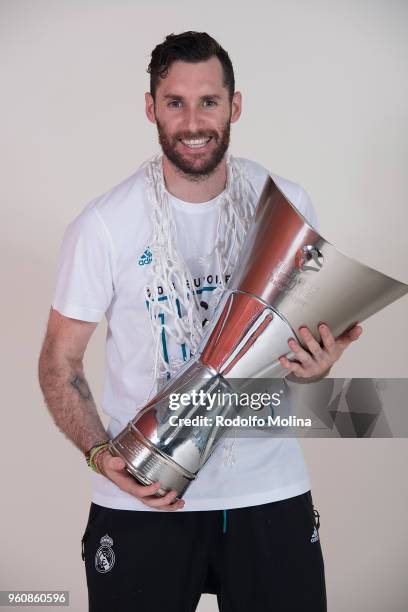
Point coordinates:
pixel 91 455
pixel 95 459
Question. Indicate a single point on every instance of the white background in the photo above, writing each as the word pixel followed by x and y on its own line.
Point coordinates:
pixel 325 105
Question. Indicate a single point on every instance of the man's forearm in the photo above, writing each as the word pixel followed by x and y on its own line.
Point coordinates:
pixel 69 399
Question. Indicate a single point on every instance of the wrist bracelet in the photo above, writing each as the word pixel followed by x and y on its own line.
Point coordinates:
pixel 92 452
pixel 94 463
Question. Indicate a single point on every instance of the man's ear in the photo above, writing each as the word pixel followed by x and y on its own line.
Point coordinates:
pixel 150 107
pixel 236 106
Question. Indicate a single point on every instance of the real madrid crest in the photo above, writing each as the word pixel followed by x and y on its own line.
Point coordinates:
pixel 105 557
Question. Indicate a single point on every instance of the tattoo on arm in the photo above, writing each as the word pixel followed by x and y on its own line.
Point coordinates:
pixel 69 399
pixel 81 386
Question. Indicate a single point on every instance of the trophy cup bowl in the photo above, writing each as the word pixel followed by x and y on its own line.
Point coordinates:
pixel 287 276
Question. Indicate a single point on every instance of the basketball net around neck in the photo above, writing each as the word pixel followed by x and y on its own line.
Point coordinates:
pixel 179 309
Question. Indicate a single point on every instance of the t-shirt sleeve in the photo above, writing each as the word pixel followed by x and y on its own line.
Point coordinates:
pixel 84 283
pixel 305 206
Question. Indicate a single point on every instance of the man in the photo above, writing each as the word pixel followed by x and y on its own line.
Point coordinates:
pixel 246 528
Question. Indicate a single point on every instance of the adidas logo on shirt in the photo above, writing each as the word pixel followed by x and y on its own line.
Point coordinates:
pixel 146 258
pixel 315 536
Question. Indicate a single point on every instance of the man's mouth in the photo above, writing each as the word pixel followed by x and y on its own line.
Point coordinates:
pixel 195 143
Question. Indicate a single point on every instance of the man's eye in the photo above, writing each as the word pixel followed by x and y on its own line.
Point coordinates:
pixel 175 103
pixel 209 102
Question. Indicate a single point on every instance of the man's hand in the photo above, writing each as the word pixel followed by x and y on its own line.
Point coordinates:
pixel 114 469
pixel 321 358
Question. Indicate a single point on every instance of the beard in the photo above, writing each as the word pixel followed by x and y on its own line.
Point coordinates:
pixel 207 162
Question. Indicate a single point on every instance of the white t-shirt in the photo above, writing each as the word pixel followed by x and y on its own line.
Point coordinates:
pixel 103 268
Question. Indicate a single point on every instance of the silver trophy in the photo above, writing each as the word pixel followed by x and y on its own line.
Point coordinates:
pixel 287 276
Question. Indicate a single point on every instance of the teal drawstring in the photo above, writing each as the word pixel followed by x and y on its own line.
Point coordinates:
pixel 224 524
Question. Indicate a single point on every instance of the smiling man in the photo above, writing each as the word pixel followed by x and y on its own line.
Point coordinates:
pixel 194 143
pixel 246 529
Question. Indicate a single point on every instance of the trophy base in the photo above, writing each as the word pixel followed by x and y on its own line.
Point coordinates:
pixel 147 464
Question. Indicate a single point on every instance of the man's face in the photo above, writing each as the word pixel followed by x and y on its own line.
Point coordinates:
pixel 193 113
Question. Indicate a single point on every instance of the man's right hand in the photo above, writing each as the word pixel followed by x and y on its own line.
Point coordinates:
pixel 114 468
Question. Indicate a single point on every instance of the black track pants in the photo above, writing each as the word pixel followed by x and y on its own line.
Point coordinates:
pixel 259 559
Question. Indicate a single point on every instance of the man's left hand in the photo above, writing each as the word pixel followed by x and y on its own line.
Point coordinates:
pixel 317 362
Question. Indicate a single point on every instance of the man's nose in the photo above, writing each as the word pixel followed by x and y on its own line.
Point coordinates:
pixel 193 121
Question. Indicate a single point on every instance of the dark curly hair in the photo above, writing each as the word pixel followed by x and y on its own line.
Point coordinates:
pixel 189 47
